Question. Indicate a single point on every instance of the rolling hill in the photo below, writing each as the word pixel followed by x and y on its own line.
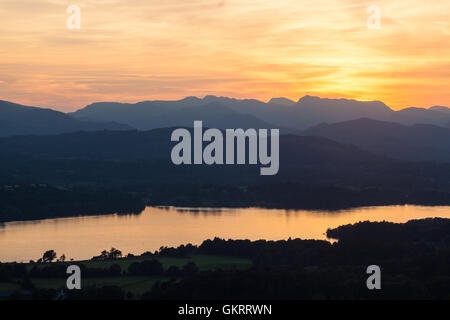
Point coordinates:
pixel 161 114
pixel 314 172
pixel 419 142
pixel 17 119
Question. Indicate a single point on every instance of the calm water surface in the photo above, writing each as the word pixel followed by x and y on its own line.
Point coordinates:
pixel 84 237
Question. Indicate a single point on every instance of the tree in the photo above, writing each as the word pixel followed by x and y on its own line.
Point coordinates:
pixel 115 253
pixel 62 258
pixel 104 255
pixel 189 269
pixel 111 254
pixel 110 293
pixel 115 270
pixel 49 256
pixel 146 268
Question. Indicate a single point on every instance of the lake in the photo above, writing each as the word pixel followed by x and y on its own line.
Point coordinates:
pixel 83 237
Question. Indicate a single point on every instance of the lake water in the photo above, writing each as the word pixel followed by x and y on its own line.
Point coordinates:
pixel 84 237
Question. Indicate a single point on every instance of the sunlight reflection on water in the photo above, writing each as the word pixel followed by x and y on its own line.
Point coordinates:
pixel 84 237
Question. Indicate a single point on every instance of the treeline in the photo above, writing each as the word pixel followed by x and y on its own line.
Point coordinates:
pixel 40 201
pixel 432 231
pixel 414 259
pixel 290 195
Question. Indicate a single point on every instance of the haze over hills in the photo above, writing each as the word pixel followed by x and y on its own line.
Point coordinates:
pixel 314 172
pixel 144 157
pixel 17 119
pixel 146 154
pixel 161 114
pixel 440 108
pixel 218 112
pixel 348 163
pixel 295 151
pixel 278 112
pixel 419 142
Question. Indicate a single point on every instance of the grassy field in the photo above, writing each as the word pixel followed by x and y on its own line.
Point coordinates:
pixel 135 284
pixel 8 286
pixel 203 262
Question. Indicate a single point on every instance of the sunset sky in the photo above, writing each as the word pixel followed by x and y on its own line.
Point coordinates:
pixel 133 50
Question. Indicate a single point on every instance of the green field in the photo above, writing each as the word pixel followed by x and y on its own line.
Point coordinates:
pixel 203 262
pixel 134 284
pixel 8 286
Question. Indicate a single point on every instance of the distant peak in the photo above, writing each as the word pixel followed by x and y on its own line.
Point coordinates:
pixel 9 103
pixel 282 101
pixel 191 98
pixel 440 108
pixel 308 98
pixel 314 100
pixel 216 98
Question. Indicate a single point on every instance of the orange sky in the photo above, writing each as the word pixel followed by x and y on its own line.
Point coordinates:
pixel 132 50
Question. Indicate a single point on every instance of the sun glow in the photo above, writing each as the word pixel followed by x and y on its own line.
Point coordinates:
pixel 139 50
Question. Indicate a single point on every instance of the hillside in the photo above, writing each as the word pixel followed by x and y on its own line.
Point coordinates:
pixel 16 119
pixel 419 142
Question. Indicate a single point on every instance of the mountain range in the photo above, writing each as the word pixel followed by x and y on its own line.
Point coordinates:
pixel 218 112
pixel 413 134
pixel 223 112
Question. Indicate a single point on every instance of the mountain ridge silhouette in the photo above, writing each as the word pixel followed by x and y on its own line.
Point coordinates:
pixel 306 112
pixel 18 119
pixel 214 111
